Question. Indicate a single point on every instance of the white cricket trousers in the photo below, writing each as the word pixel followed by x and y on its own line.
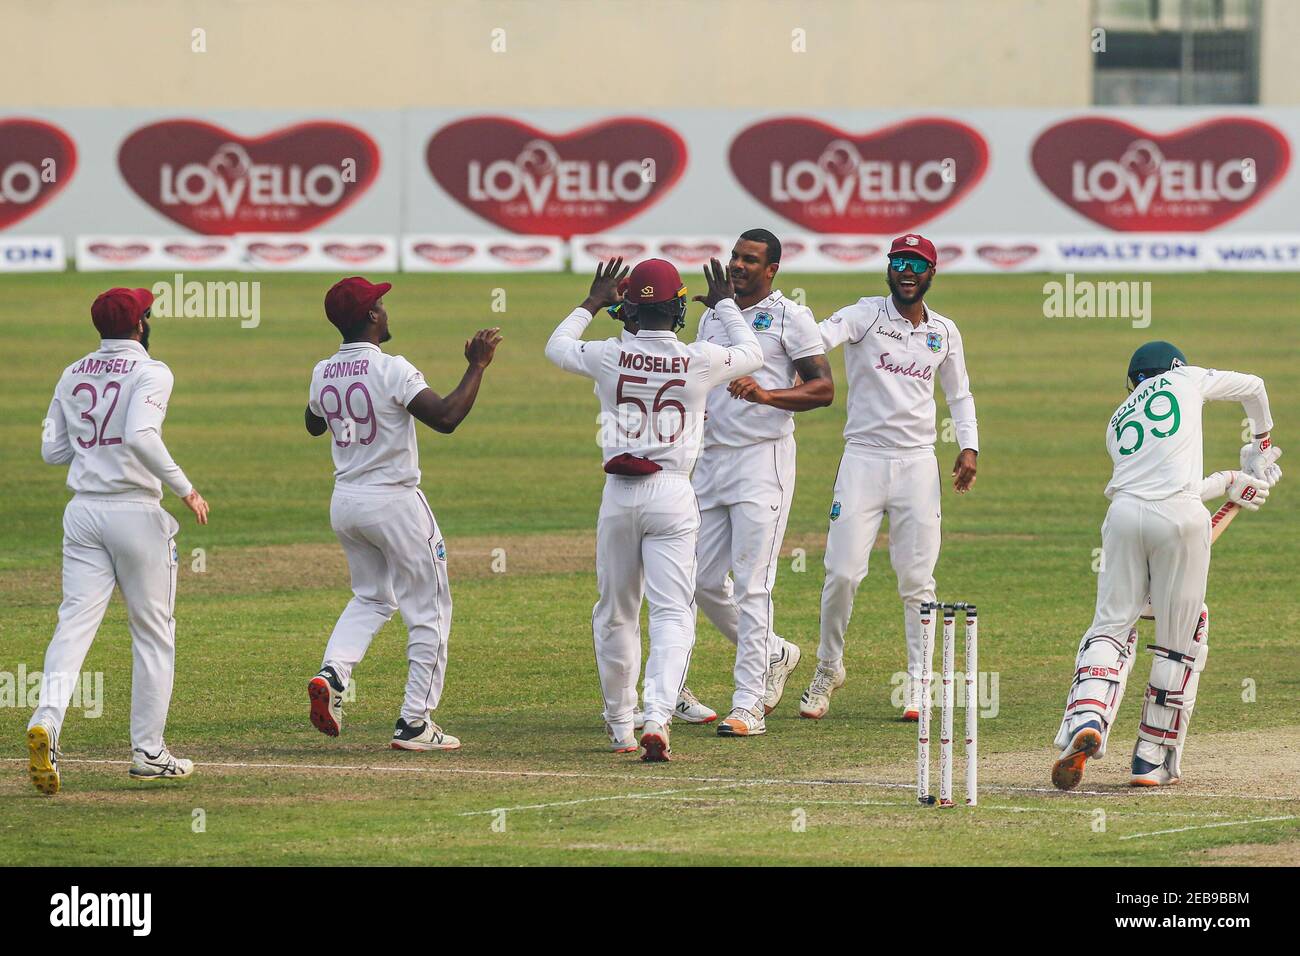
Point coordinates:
pixel 744 499
pixel 647 528
pixel 869 485
pixel 1160 548
pixel 130 543
pixel 398 561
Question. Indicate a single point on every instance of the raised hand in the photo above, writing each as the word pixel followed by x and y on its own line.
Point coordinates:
pixel 719 283
pixel 605 286
pixel 482 348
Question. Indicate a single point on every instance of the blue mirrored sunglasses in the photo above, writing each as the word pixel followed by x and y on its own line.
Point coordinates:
pixel 900 264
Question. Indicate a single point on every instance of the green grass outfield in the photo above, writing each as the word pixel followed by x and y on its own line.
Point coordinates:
pixel 523 474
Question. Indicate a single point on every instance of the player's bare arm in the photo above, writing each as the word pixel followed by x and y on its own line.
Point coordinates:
pixel 444 414
pixel 606 288
pixel 963 472
pixel 814 387
pixel 315 424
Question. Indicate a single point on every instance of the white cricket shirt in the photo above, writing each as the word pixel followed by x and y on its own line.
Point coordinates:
pixel 653 387
pixel 1154 437
pixel 891 368
pixel 362 393
pixel 106 420
pixel 786 331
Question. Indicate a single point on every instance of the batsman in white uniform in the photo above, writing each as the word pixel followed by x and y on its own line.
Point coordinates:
pixel 1156 541
pixel 369 402
pixel 652 392
pixel 105 421
pixel 894 348
pixel 744 480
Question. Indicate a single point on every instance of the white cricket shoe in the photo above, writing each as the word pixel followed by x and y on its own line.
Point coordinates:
pixel 742 722
pixel 621 742
pixel 1147 774
pixel 654 742
pixel 325 691
pixel 43 758
pixel 779 670
pixel 816 700
pixel 422 735
pixel 159 766
pixel 691 710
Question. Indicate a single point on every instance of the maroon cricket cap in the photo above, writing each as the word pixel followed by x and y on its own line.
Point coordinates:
pixel 118 311
pixel 654 280
pixel 348 300
pixel 912 244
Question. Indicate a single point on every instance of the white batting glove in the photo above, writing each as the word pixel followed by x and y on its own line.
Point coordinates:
pixel 1259 456
pixel 1247 491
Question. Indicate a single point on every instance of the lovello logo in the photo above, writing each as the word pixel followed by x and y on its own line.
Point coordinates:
pixel 217 182
pixel 526 180
pixel 828 180
pixel 1130 179
pixel 36 161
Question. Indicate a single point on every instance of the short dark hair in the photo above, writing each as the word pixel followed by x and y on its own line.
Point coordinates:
pixel 772 242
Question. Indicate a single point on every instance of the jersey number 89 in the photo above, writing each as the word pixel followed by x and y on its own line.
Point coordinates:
pixel 352 421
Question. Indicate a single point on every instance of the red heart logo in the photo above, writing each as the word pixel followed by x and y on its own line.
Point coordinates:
pixel 887 181
pixel 353 253
pixel 1191 179
pixel 526 180
pixel 949 254
pixel 115 253
pixel 36 160
pixel 277 252
pixel 792 250
pixel 1006 257
pixel 217 182
pixel 691 255
pixel 443 255
pixel 605 250
pixel 519 255
pixel 850 251
pixel 195 253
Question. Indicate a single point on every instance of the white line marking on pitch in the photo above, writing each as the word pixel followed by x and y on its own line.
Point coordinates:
pixel 620 796
pixel 1209 826
pixel 1147 794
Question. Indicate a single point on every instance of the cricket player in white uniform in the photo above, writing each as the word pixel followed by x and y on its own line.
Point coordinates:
pixel 894 348
pixel 652 392
pixel 369 402
pixel 744 480
pixel 1156 541
pixel 105 421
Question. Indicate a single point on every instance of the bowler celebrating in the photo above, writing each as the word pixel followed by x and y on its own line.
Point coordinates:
pixel 744 480
pixel 894 347
pixel 369 401
pixel 652 391
pixel 106 422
